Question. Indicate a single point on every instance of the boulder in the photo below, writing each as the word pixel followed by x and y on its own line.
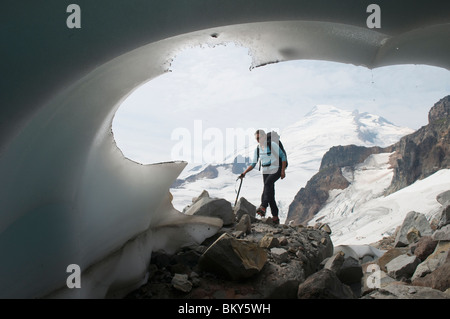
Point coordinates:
pixel 280 281
pixel 232 258
pixel 441 251
pixel 445 217
pixel 268 241
pixel 324 284
pixel 204 194
pixel 412 220
pixel 438 279
pixel 326 228
pixel 402 267
pixel 334 263
pixel 283 241
pixel 425 273
pixel 242 207
pixel 180 282
pixel 425 246
pixel 425 268
pixel 442 234
pixel 444 198
pixel 280 255
pixel 212 207
pixel 396 290
pixel 312 247
pixel 413 235
pixel 244 224
pixel 389 255
pixel 350 271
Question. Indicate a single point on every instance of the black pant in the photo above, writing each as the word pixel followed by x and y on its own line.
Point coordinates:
pixel 268 195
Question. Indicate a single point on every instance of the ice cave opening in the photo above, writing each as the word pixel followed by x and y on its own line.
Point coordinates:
pixel 68 195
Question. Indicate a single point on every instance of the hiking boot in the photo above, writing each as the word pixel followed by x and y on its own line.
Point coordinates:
pixel 275 220
pixel 261 211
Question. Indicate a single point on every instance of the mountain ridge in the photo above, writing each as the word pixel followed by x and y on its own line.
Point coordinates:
pixel 416 156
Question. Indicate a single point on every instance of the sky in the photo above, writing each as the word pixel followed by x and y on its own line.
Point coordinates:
pixel 211 94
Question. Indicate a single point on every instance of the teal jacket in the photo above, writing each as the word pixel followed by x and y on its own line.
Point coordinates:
pixel 269 162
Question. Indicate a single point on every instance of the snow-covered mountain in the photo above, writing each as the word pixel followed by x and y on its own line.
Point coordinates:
pixel 305 141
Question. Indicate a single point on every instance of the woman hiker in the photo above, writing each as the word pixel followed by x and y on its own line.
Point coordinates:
pixel 272 169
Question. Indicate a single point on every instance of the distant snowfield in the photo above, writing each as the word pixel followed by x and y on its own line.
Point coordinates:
pixel 360 214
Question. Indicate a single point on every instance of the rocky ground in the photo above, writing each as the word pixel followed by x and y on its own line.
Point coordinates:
pixel 254 259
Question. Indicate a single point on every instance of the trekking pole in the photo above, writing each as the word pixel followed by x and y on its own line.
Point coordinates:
pixel 237 196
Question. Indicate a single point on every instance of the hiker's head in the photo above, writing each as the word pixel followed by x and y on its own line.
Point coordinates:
pixel 260 136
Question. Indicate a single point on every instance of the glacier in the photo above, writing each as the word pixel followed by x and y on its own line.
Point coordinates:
pixel 361 214
pixel 67 194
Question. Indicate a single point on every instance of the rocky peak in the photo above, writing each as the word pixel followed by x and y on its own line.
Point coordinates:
pixel 440 110
pixel 424 152
pixel 310 199
pixel 349 155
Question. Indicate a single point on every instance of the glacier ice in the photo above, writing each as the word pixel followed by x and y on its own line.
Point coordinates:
pixel 372 215
pixel 69 196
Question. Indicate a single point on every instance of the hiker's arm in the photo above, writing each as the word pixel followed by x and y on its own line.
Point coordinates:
pixel 252 165
pixel 247 170
pixel 283 168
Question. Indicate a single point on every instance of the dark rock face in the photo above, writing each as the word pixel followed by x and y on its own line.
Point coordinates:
pixel 310 200
pixel 324 284
pixel 350 155
pixel 440 110
pixel 424 152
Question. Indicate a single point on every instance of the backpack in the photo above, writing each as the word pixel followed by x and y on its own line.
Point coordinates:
pixel 276 137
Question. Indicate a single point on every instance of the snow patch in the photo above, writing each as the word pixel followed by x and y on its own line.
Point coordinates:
pixel 361 214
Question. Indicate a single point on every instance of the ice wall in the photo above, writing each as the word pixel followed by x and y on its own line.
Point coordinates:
pixel 70 197
pixel 67 195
